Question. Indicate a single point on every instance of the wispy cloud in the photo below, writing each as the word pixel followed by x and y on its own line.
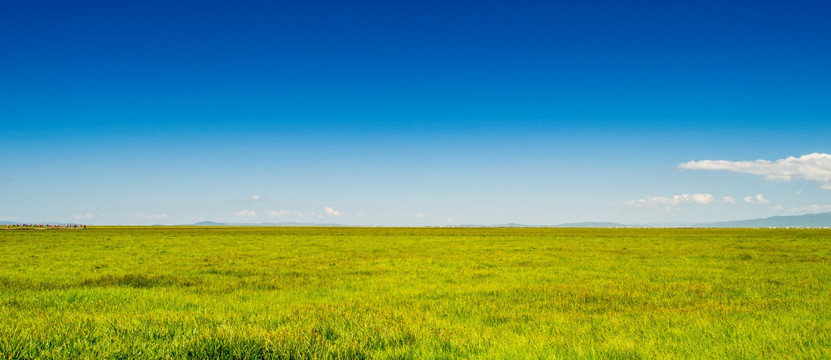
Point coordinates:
pixel 758 199
pixel 331 212
pixel 814 208
pixel 277 213
pixel 812 167
pixel 255 197
pixel 655 201
pixel 151 216
pixel 361 214
pixel 729 200
pixel 84 216
pixel 418 216
pixel 245 213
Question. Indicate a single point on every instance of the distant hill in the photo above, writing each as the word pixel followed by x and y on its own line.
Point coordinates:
pixel 807 220
pixel 514 225
pixel 209 223
pixel 795 221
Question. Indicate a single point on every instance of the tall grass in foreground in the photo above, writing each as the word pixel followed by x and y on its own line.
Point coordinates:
pixel 352 293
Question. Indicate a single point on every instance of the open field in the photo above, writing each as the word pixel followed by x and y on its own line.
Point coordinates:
pixel 295 293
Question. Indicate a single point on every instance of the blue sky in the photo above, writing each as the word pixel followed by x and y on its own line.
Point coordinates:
pixel 422 113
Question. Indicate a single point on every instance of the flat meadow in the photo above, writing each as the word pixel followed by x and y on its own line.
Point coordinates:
pixel 414 293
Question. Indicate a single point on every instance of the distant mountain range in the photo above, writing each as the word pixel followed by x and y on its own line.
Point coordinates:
pixel 807 220
pixel 821 220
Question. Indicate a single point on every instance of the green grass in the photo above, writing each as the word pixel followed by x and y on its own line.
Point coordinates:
pixel 409 293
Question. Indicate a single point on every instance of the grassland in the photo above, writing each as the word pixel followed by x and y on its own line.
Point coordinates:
pixel 297 293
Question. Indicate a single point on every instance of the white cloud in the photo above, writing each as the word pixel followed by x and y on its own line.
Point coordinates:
pixel 758 199
pixel 151 216
pixel 84 216
pixel 418 216
pixel 447 220
pixel 729 200
pixel 777 207
pixel 246 213
pixel 276 213
pixel 814 208
pixel 812 167
pixel 654 201
pixel 361 214
pixel 255 197
pixel 331 212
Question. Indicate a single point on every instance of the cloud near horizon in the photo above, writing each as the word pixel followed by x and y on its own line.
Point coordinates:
pixel 811 167
pixel 246 213
pixel 814 208
pixel 332 212
pixel 655 201
pixel 276 213
pixel 758 199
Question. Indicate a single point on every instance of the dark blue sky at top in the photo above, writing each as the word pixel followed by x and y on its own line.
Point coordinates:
pixel 189 81
pixel 389 64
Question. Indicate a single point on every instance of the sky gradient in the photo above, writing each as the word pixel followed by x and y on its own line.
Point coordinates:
pixel 409 114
